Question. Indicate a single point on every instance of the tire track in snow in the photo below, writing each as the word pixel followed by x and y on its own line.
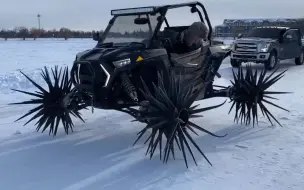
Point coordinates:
pixel 136 157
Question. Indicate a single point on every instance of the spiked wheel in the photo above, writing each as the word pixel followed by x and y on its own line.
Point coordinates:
pixel 169 113
pixel 50 109
pixel 249 92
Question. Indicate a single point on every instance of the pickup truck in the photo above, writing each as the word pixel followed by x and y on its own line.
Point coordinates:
pixel 268 45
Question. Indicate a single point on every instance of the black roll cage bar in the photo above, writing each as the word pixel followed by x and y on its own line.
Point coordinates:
pixel 163 11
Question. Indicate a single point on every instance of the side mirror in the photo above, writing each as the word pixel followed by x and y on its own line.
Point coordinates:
pixel 141 21
pixel 288 37
pixel 239 35
pixel 285 38
pixel 96 36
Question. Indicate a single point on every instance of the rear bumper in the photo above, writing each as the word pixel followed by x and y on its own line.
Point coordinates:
pixel 250 57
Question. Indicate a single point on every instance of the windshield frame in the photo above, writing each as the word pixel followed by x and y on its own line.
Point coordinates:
pixel 152 31
pixel 162 10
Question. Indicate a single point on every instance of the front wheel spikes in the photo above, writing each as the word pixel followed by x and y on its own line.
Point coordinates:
pixel 249 93
pixel 168 115
pixel 50 110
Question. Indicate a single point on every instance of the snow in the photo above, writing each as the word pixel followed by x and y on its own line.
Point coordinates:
pixel 99 154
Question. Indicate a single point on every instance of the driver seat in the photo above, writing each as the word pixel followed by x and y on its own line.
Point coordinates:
pixel 192 47
pixel 182 39
pixel 194 36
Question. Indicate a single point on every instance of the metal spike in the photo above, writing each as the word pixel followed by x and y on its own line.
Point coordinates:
pixel 170 110
pixel 249 94
pixel 50 111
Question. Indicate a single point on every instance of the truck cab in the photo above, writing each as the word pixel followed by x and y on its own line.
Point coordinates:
pixel 268 45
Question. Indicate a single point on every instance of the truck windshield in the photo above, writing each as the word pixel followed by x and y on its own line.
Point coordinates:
pixel 273 33
pixel 126 30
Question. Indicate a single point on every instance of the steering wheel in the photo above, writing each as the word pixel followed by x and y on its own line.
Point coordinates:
pixel 166 42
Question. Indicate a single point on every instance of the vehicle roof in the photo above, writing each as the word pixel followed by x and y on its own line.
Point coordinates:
pixel 177 5
pixel 278 27
pixel 156 8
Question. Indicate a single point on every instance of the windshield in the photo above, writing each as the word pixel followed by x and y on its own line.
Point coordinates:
pixel 273 33
pixel 124 29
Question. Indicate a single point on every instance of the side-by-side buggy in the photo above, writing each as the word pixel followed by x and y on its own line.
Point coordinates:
pixel 146 67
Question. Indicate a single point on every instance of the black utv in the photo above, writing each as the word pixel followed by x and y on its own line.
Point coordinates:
pixel 155 77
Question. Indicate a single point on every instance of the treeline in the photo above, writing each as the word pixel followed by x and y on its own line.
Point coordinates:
pixel 23 32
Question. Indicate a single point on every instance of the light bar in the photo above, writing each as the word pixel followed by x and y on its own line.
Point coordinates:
pixel 132 11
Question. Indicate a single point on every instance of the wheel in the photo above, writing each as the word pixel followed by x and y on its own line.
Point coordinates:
pixel 300 60
pixel 53 103
pixel 249 93
pixel 235 63
pixel 272 61
pixel 168 113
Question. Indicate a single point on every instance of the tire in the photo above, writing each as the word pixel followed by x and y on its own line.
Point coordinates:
pixel 169 112
pixel 235 63
pixel 300 60
pixel 272 61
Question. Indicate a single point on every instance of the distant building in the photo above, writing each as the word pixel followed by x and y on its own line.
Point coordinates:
pixel 232 27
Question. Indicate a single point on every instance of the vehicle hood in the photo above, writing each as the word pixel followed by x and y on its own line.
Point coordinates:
pixel 256 40
pixel 108 53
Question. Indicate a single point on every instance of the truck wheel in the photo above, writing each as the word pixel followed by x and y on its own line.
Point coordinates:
pixel 235 63
pixel 272 61
pixel 300 60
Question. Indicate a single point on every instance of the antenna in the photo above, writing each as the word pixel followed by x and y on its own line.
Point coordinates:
pixel 38 17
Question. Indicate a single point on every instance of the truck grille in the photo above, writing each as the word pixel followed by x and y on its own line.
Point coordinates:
pixel 246 47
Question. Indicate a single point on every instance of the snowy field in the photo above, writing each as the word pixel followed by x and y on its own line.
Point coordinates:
pixel 99 154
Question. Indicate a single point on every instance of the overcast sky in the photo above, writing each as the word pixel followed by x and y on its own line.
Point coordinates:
pixel 94 14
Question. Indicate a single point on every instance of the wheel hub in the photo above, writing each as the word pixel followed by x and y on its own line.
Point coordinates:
pixel 184 117
pixel 272 61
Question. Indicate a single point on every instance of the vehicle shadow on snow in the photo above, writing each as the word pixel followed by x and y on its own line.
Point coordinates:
pixel 147 173
pixel 102 157
pixel 288 65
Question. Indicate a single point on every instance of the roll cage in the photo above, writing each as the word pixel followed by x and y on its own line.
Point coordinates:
pixel 162 10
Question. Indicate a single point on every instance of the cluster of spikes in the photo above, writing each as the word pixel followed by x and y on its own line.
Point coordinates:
pixel 50 109
pixel 170 108
pixel 250 92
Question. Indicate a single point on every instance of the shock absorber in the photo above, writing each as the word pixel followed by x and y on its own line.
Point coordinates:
pixel 128 86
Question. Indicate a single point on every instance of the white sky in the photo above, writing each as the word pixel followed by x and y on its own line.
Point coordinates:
pixel 94 14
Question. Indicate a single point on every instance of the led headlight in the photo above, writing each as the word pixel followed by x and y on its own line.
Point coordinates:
pixel 263 47
pixel 132 11
pixel 226 47
pixel 122 63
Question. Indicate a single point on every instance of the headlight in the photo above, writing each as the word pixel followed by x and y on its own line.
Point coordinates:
pixel 263 47
pixel 225 47
pixel 122 63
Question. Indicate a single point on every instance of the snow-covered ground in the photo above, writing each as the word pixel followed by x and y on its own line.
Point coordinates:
pixel 99 154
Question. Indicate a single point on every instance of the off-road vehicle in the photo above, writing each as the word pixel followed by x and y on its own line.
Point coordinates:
pixel 268 45
pixel 155 80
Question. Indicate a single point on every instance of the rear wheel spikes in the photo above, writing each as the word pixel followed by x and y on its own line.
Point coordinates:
pixel 168 115
pixel 249 92
pixel 50 108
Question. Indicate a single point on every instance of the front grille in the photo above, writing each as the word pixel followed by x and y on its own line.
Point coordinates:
pixel 88 75
pixel 246 47
pixel 245 56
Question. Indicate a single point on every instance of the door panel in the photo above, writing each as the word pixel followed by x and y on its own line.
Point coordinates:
pixel 287 44
pixel 296 47
pixel 291 44
pixel 284 46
